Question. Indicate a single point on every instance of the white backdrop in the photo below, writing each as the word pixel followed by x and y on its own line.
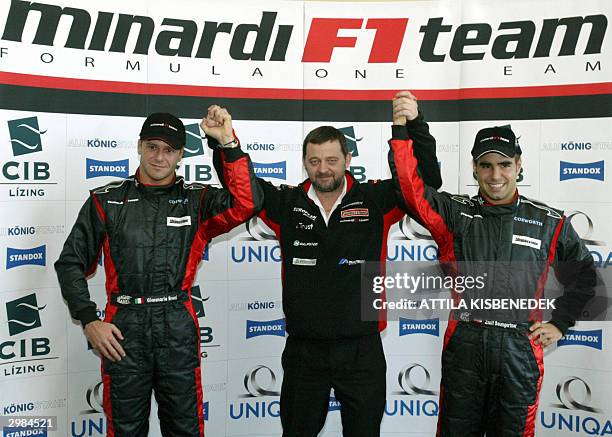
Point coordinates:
pixel 73 93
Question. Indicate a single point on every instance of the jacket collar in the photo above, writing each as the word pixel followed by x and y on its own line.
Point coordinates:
pixel 489 208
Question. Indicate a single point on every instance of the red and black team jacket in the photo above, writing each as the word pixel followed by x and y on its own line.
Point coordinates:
pixel 152 237
pixel 321 264
pixel 519 241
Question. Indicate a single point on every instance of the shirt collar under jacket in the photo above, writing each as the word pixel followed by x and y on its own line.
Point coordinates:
pixel 313 196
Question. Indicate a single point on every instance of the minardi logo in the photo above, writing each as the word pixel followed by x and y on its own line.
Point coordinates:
pixel 277 170
pixel 95 168
pixel 574 337
pixel 23 314
pixel 35 256
pixel 411 326
pixel 194 145
pixel 589 170
pixel 255 328
pixel 351 140
pixel 25 136
pixel 381 37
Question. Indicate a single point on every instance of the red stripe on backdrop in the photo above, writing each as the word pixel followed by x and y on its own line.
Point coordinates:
pixel 29 80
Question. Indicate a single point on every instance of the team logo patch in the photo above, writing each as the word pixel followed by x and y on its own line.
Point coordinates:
pixel 179 221
pixel 304 262
pixel 521 240
pixel 355 212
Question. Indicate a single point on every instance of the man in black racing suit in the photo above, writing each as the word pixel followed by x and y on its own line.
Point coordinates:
pixel 327 227
pixel 152 228
pixel 492 370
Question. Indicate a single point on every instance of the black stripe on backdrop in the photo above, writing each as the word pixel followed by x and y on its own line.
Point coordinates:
pixel 103 103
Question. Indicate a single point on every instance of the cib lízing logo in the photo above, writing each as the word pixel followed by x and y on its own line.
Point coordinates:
pixel 25 135
pixel 23 314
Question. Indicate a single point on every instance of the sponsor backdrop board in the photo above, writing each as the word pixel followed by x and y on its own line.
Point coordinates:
pixel 76 82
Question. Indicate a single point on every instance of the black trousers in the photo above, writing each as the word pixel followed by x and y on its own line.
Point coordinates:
pixel 491 379
pixel 355 368
pixel 162 356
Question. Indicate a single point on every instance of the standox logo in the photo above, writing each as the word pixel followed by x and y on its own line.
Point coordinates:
pixel 198 301
pixel 206 408
pixel 194 144
pixel 25 136
pixel 412 326
pixel 334 404
pixel 351 140
pixel 255 328
pixel 589 170
pixel 95 168
pixel 23 314
pixel 35 256
pixel 276 170
pixel 591 339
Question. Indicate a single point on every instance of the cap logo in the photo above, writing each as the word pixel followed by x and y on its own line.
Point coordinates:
pixel 495 137
pixel 164 125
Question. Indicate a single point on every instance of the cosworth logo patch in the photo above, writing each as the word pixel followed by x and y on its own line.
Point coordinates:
pixel 179 221
pixel 521 240
pixel 355 212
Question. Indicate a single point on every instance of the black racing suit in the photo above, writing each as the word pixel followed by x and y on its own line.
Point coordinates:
pixel 328 344
pixel 491 371
pixel 153 239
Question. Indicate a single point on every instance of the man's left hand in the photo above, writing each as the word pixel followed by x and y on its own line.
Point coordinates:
pixel 544 333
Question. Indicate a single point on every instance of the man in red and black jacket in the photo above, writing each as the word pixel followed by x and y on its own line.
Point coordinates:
pixel 327 227
pixel 152 228
pixel 492 367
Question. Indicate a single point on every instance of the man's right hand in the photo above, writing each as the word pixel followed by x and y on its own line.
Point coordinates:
pixel 104 337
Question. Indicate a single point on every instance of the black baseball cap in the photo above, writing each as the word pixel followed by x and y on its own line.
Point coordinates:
pixel 497 139
pixel 165 127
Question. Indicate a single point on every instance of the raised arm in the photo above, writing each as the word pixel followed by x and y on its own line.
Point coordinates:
pixel 241 196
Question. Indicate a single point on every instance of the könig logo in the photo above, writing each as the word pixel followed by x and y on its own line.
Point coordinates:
pixel 25 136
pixel 22 314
